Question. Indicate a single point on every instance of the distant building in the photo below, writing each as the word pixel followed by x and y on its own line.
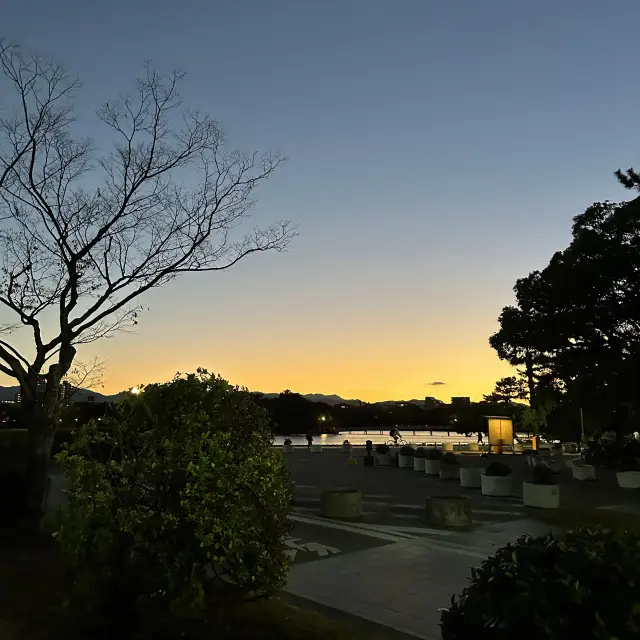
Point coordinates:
pixel 460 401
pixel 432 403
pixel 66 392
pixel 41 388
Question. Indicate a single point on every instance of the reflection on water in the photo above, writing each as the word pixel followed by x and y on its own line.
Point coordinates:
pixel 360 438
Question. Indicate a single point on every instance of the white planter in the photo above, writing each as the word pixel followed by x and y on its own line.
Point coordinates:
pixel 500 486
pixel 447 446
pixel 432 467
pixel 449 471
pixel 628 479
pixel 583 471
pixel 405 462
pixel 418 464
pixel 382 459
pixel 470 477
pixel 543 496
pixel 346 448
pixel 316 448
pixel 288 448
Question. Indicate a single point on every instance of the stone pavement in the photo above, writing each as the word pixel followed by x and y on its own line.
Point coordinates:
pixel 402 583
pixel 388 567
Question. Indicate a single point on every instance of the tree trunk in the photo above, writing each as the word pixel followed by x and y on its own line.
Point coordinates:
pixel 41 435
pixel 41 418
pixel 533 401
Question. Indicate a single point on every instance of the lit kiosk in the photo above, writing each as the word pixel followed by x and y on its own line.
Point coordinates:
pixel 500 433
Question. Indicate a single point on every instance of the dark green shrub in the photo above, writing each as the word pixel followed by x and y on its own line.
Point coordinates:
pixel 287 442
pixel 190 498
pixel 581 585
pixel 497 469
pixel 420 452
pixel 541 474
pixel 449 458
pixel 382 449
pixel 432 453
pixel 407 450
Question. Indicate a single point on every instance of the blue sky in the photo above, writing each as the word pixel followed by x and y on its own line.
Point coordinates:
pixel 437 151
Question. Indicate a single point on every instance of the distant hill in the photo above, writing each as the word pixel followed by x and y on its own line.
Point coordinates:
pixel 8 394
pixel 332 399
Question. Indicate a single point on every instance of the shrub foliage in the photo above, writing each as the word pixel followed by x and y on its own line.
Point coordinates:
pixel 581 585
pixel 180 497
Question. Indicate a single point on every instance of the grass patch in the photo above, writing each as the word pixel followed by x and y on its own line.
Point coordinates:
pixel 569 518
pixel 31 594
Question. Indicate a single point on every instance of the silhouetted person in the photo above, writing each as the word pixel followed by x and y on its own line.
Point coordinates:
pixel 395 434
pixel 309 440
pixel 480 437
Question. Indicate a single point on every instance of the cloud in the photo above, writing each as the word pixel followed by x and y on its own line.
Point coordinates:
pixel 435 383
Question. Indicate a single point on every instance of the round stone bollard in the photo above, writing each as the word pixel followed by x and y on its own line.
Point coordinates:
pixel 341 503
pixel 449 511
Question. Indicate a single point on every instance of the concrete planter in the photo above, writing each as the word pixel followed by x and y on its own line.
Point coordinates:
pixel 447 446
pixel 518 448
pixel 499 486
pixel 341 503
pixel 449 511
pixel 470 477
pixel 473 446
pixel 449 471
pixel 542 496
pixel 405 462
pixel 418 464
pixel 288 448
pixel 432 467
pixel 316 448
pixel 628 479
pixel 346 448
pixel 583 471
pixel 382 459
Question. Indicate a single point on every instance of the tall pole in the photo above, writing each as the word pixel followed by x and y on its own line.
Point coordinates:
pixel 581 425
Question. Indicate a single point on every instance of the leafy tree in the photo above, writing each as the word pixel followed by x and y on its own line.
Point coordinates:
pixel 507 390
pixel 180 503
pixel 578 320
pixel 84 234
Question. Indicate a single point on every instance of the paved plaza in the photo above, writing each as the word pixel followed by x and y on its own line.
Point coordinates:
pixel 388 566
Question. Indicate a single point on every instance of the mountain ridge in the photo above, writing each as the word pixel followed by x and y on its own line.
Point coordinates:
pixel 7 394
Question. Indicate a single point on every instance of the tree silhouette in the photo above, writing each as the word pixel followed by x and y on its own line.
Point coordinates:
pixel 578 319
pixel 84 234
pixel 507 390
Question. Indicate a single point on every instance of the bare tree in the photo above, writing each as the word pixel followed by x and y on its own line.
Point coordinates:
pixel 85 375
pixel 169 200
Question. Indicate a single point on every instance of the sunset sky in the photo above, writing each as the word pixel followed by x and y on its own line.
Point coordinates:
pixel 436 152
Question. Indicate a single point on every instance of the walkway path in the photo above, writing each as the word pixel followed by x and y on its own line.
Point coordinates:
pixel 398 577
pixel 388 566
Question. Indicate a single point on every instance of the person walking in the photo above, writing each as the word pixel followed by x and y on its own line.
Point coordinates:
pixel 309 441
pixel 480 438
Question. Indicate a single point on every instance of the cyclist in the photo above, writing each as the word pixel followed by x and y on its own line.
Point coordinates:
pixel 395 434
